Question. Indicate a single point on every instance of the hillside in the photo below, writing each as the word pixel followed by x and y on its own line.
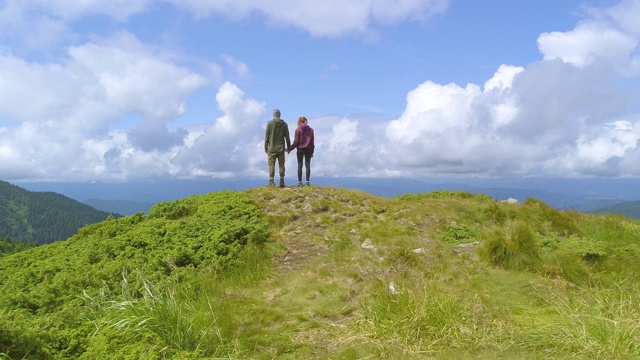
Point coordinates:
pixel 630 209
pixel 122 207
pixel 42 217
pixel 329 273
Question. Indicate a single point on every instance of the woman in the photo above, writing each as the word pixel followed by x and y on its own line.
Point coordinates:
pixel 304 141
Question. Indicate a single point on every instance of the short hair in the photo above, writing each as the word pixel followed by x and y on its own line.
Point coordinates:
pixel 302 120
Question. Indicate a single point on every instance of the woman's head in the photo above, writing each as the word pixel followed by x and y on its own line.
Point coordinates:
pixel 302 120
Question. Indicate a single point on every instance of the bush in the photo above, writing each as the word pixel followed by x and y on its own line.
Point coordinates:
pixel 462 234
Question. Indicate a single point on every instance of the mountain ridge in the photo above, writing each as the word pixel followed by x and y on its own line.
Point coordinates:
pixel 581 195
pixel 42 217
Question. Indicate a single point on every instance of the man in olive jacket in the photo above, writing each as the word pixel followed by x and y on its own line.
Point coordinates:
pixel 276 134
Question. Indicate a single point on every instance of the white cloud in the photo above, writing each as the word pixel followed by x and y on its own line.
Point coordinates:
pixel 623 15
pixel 230 145
pixel 62 114
pixel 562 116
pixel 135 78
pixel 44 24
pixel 332 18
pixel 345 147
pixel 609 35
pixel 240 68
pixel 74 9
pixel 587 43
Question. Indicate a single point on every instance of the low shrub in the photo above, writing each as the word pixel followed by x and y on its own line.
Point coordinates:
pixel 462 234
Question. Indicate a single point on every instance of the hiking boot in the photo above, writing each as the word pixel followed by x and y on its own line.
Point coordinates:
pixel 307 183
pixel 281 183
pixel 271 183
pixel 299 183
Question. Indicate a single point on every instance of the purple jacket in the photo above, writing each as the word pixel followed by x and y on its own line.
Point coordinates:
pixel 303 139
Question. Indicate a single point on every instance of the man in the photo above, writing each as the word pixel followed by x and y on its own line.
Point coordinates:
pixel 276 134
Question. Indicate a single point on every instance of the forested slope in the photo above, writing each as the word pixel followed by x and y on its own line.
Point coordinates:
pixel 42 217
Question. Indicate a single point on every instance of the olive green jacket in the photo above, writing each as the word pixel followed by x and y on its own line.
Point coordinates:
pixel 275 135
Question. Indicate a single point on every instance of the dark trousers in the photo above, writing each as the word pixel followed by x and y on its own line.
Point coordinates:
pixel 304 154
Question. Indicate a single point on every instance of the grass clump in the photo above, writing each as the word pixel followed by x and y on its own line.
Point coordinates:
pixel 427 319
pixel 589 323
pixel 512 246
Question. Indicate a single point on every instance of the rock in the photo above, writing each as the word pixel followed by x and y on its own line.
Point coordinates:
pixel 367 244
pixel 392 288
pixel 510 201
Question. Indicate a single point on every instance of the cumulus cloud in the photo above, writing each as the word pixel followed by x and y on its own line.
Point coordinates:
pixel 348 147
pixel 609 36
pixel 588 43
pixel 231 144
pixel 566 115
pixel 551 119
pixel 333 18
pixel 63 115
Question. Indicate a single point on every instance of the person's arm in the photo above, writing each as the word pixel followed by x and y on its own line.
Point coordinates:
pixel 266 139
pixel 313 142
pixel 286 136
pixel 296 140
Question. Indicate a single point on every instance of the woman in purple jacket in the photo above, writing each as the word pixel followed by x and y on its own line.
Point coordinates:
pixel 304 141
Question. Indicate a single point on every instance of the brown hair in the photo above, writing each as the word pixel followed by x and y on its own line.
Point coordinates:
pixel 302 120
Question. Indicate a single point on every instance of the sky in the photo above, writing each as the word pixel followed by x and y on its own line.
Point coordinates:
pixel 118 90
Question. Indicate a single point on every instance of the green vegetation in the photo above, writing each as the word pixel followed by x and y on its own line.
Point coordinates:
pixel 8 246
pixel 132 286
pixel 42 217
pixel 326 273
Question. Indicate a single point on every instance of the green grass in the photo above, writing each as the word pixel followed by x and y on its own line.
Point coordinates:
pixel 450 275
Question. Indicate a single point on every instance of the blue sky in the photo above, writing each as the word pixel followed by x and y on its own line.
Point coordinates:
pixel 116 90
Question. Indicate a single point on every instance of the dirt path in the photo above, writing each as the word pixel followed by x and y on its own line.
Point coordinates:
pixel 295 234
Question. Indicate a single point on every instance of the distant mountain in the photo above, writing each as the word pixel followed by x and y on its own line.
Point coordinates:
pixel 579 194
pixel 42 217
pixel 629 209
pixel 122 207
pixel 584 203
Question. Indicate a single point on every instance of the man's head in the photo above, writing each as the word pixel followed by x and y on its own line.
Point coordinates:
pixel 276 113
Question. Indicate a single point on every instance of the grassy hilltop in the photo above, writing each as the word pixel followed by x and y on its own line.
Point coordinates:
pixel 329 273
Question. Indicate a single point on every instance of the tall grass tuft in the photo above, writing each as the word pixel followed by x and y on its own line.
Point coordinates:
pixel 566 265
pixel 426 320
pixel 179 317
pixel 512 246
pixel 550 220
pixel 163 312
pixel 594 323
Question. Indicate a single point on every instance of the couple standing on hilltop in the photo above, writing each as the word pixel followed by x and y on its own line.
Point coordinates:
pixel 275 136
